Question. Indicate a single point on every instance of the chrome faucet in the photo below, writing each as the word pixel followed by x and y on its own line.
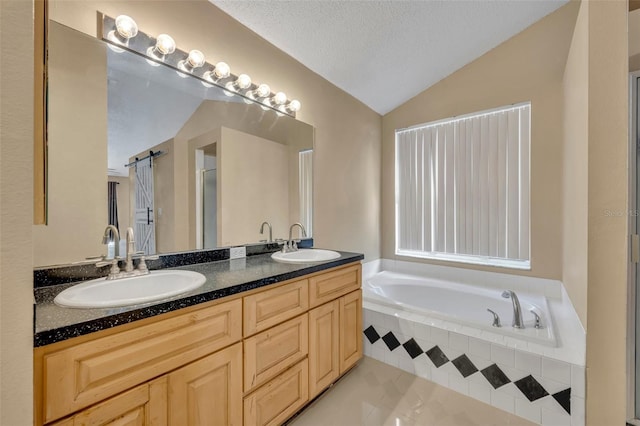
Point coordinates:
pixel 131 249
pixel 291 244
pixel 270 233
pixel 116 239
pixel 517 311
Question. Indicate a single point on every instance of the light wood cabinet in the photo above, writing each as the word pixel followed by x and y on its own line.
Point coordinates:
pixel 335 340
pixel 193 367
pixel 144 405
pixel 208 391
pixel 78 376
pixel 275 402
pixel 324 341
pixel 350 330
pixel 274 350
pixel 270 307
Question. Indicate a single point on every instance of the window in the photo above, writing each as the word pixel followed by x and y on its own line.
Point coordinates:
pixel 462 188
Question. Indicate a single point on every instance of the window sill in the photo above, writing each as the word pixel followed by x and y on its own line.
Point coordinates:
pixel 524 265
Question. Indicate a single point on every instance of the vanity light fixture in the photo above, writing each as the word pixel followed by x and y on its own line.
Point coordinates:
pixel 123 31
pixel 125 28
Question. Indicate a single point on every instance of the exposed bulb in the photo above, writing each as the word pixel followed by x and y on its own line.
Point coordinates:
pixel 243 81
pixel 195 59
pixel 294 105
pixel 126 27
pixel 280 98
pixel 222 70
pixel 165 45
pixel 263 91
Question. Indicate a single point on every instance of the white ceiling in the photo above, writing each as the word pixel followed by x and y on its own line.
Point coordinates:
pixel 386 52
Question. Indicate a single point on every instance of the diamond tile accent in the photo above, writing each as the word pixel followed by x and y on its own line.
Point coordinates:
pixel 528 385
pixel 564 399
pixel 464 365
pixel 436 356
pixel 413 349
pixel 495 376
pixel 391 341
pixel 372 334
pixel 531 388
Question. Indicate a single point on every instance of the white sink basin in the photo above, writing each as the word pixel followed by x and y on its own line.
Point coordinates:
pixel 305 256
pixel 157 285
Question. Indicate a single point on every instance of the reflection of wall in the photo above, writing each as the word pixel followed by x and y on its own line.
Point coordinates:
pixel 77 99
pixel 258 169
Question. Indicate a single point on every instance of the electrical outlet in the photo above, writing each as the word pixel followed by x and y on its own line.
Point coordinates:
pixel 237 252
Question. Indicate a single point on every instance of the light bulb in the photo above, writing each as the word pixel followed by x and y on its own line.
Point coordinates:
pixel 126 27
pixel 195 59
pixel 280 98
pixel 165 45
pixel 294 105
pixel 263 91
pixel 222 70
pixel 243 81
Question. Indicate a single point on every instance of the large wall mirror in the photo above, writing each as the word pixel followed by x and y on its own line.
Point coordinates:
pixel 189 166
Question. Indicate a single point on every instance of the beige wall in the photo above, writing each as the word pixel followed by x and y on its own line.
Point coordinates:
pixel 347 143
pixel 16 207
pixel 528 67
pixel 608 186
pixel 575 166
pixel 77 146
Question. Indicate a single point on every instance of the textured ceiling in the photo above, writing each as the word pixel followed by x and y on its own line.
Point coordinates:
pixel 386 52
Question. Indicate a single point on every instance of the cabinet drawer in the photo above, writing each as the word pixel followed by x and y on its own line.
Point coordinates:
pixel 274 350
pixel 81 375
pixel 326 287
pixel 276 401
pixel 268 308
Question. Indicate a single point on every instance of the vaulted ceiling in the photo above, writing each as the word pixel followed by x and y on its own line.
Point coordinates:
pixel 386 52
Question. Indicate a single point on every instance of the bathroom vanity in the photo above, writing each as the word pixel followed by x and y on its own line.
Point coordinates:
pixel 270 339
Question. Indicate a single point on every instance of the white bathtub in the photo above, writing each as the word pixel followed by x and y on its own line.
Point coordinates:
pixel 461 304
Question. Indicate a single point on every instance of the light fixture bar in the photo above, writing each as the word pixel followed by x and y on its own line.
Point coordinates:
pixel 184 62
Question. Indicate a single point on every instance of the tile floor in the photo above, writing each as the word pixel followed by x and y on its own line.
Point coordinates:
pixel 377 394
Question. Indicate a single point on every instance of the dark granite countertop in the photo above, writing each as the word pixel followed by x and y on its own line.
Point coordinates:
pixel 224 278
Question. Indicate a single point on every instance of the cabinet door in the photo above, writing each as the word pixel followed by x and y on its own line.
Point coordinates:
pixel 324 342
pixel 140 406
pixel 350 330
pixel 208 391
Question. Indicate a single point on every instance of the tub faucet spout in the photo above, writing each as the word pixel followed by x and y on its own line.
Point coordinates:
pixel 517 311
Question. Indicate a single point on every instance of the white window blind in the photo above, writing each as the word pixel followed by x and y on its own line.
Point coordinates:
pixel 462 188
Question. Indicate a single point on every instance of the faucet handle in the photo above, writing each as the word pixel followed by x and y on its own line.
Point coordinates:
pixel 114 266
pixel 496 319
pixel 142 265
pixel 537 324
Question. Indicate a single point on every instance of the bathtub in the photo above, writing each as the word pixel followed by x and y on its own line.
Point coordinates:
pixel 461 304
